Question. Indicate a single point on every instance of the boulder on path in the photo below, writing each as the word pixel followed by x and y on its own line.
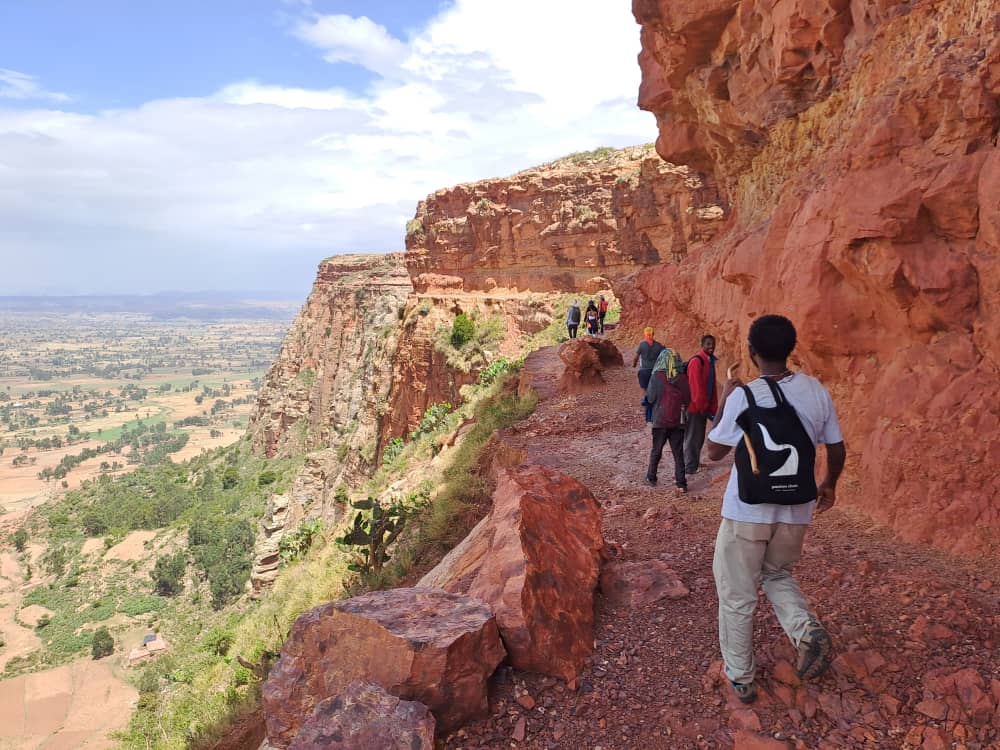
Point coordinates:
pixel 585 359
pixel 418 644
pixel 535 560
pixel 363 717
pixel 641 583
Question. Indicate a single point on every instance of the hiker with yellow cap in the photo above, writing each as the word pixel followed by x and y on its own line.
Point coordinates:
pixel 645 356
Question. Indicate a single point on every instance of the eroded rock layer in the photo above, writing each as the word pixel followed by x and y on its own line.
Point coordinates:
pixel 857 144
pixel 328 385
pixel 570 225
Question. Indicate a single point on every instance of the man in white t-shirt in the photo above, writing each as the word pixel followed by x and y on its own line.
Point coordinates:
pixel 758 543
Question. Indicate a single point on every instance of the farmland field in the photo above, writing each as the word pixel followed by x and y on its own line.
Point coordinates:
pixel 86 393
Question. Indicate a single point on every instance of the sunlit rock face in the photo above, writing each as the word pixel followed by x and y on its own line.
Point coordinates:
pixel 856 146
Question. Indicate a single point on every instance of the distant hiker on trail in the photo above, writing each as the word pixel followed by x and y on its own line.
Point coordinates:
pixel 592 318
pixel 646 356
pixel 775 422
pixel 573 319
pixel 668 395
pixel 602 311
pixel 704 402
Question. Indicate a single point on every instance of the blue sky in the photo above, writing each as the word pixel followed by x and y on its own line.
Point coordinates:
pixel 232 144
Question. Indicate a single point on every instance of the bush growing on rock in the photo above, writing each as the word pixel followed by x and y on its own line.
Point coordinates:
pixel 20 539
pixel 462 330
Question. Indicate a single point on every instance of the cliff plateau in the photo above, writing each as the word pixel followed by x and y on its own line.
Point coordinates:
pixel 857 145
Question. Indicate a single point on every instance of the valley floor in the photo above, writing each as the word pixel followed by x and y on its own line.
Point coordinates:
pixel 902 619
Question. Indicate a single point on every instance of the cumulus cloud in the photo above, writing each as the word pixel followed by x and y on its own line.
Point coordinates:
pixel 15 85
pixel 258 177
pixel 353 40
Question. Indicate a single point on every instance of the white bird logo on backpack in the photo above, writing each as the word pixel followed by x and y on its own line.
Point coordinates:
pixel 791 466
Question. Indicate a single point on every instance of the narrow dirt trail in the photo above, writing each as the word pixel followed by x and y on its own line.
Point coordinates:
pixel 904 620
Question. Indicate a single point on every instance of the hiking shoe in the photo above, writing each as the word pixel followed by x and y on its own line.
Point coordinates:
pixel 815 652
pixel 747 693
pixel 650 482
pixel 682 489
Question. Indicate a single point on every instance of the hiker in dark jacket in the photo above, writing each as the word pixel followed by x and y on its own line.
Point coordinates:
pixel 669 395
pixel 645 357
pixel 573 319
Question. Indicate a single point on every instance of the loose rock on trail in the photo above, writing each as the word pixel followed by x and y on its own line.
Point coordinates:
pixel 916 633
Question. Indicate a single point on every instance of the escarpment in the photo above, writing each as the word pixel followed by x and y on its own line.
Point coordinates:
pixel 857 146
pixel 328 384
pixel 571 225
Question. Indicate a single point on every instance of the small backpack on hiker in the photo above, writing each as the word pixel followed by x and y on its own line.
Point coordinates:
pixel 670 409
pixel 776 461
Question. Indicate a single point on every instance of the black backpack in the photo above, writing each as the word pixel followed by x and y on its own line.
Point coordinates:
pixel 776 461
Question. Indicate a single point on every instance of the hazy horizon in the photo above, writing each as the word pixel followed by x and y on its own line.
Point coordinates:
pixel 235 144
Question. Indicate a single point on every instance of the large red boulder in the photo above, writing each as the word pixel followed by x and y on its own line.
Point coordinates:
pixel 364 717
pixel 419 644
pixel 585 359
pixel 535 560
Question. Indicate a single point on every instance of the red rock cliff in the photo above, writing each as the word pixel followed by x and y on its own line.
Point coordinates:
pixel 329 384
pixel 857 144
pixel 554 228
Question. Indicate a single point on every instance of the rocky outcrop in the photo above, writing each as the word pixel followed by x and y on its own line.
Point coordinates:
pixel 329 384
pixel 418 644
pixel 585 359
pixel 535 560
pixel 857 145
pixel 365 717
pixel 427 370
pixel 575 224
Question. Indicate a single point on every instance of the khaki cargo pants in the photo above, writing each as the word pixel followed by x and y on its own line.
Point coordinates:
pixel 746 556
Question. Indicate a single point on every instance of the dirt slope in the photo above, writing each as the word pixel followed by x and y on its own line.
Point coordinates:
pixel 903 618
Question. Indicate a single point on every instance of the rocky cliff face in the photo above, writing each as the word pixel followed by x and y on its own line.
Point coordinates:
pixel 566 226
pixel 327 393
pixel 857 144
pixel 329 385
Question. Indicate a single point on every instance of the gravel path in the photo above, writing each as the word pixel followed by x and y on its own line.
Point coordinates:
pixel 918 634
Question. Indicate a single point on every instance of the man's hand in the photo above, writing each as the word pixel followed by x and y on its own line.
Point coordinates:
pixel 731 385
pixel 826 498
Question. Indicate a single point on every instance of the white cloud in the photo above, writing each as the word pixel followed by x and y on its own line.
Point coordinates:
pixel 233 183
pixel 353 40
pixel 15 85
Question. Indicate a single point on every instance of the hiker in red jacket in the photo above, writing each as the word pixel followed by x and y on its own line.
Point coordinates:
pixel 704 401
pixel 602 311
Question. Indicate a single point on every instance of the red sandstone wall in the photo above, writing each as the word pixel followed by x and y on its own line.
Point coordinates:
pixel 857 144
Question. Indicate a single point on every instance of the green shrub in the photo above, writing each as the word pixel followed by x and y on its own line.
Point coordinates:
pixel 218 640
pixel 462 330
pixel 498 367
pixel 168 574
pixel 266 477
pixel 294 545
pixel 392 450
pixel 103 644
pixel 415 230
pixel 375 528
pixel 230 478
pixel 20 539
pixel 433 417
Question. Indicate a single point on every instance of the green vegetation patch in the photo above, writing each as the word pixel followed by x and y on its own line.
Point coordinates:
pixel 470 342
